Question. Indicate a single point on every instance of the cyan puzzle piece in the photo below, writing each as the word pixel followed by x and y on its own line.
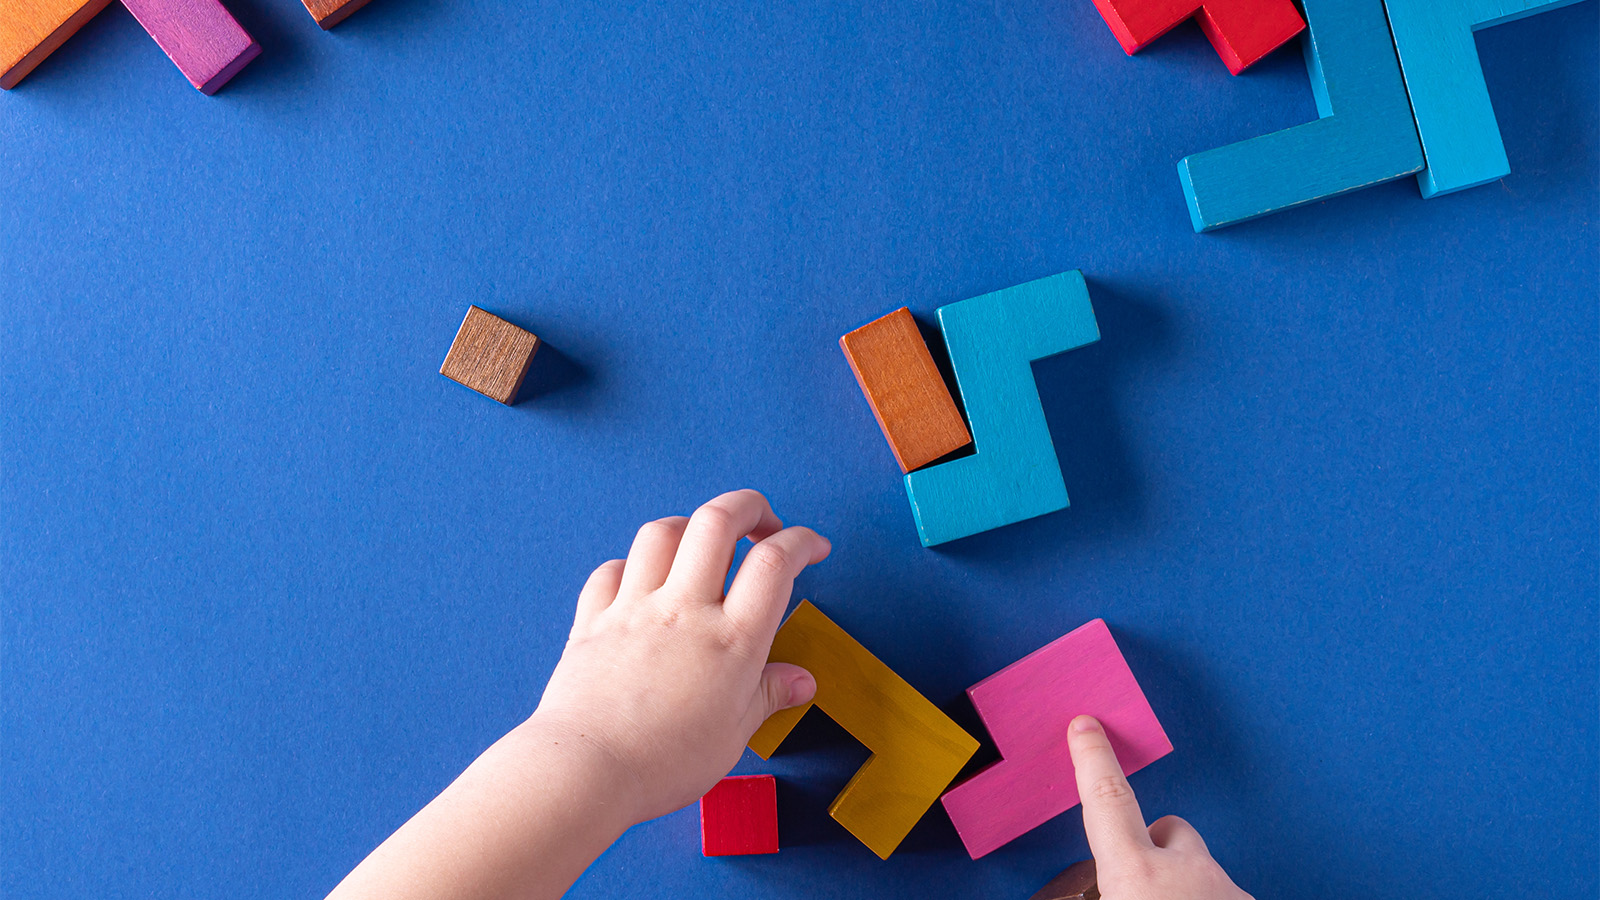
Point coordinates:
pixel 1460 137
pixel 1365 135
pixel 993 341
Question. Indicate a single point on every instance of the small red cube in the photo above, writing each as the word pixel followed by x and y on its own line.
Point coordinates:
pixel 740 816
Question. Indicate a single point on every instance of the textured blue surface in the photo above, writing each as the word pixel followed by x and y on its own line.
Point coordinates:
pixel 269 581
pixel 1449 101
pixel 1364 134
pixel 1013 473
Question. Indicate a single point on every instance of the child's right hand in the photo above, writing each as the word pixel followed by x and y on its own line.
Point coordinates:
pixel 1167 861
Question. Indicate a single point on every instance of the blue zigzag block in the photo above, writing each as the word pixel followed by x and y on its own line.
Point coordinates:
pixel 1365 135
pixel 1460 137
pixel 993 341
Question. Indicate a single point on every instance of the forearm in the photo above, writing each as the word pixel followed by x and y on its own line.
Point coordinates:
pixel 523 821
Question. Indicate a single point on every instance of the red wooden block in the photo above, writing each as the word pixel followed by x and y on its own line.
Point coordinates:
pixel 1243 31
pixel 739 816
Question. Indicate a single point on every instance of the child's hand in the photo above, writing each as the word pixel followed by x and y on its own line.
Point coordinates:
pixel 665 677
pixel 1167 861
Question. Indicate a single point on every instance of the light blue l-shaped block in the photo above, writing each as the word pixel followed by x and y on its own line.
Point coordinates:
pixel 1365 135
pixel 1460 137
pixel 993 341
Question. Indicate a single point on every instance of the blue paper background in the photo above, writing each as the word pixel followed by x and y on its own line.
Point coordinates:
pixel 270 581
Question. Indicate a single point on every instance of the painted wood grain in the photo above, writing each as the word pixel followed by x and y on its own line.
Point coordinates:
pixel 1455 119
pixel 1027 707
pixel 908 396
pixel 1242 31
pixel 739 817
pixel 1364 136
pixel 31 30
pixel 329 13
pixel 1013 475
pixel 205 42
pixel 916 749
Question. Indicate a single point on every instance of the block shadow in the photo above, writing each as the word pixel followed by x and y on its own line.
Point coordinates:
pixel 555 380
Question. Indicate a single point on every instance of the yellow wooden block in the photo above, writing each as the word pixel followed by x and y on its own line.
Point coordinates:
pixel 916 749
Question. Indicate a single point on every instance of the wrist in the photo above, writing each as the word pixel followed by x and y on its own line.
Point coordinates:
pixel 590 779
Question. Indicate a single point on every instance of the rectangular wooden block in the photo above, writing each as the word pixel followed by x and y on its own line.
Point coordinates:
pixel 1449 99
pixel 200 36
pixel 897 374
pixel 490 355
pixel 916 749
pixel 1365 135
pixel 993 341
pixel 329 13
pixel 31 30
pixel 1027 706
pixel 1242 31
pixel 739 816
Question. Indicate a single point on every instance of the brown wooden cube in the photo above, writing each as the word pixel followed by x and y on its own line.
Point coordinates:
pixel 490 355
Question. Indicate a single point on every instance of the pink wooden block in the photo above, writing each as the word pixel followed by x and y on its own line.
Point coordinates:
pixel 1027 707
pixel 200 36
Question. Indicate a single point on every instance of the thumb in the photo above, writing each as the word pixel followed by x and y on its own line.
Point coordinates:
pixel 783 685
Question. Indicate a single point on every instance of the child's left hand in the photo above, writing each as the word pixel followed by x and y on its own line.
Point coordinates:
pixel 662 673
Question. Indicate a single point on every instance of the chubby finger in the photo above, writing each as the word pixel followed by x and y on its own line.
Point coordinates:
pixel 597 594
pixel 761 588
pixel 1173 833
pixel 650 557
pixel 782 685
pixel 1111 816
pixel 713 532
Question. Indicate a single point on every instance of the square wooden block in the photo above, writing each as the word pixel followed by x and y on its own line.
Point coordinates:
pixel 739 816
pixel 490 355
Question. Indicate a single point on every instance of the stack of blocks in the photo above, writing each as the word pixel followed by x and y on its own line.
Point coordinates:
pixel 993 340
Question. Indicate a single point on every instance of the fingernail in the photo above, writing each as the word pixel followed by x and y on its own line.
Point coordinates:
pixel 801 690
pixel 1085 724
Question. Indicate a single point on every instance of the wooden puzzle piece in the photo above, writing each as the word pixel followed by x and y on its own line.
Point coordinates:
pixel 739 816
pixel 1243 31
pixel 490 355
pixel 31 30
pixel 1027 706
pixel 1078 882
pixel 1365 135
pixel 329 13
pixel 1449 99
pixel 903 386
pixel 200 36
pixel 916 749
pixel 993 341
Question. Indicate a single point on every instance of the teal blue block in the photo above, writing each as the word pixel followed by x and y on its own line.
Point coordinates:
pixel 993 341
pixel 1460 137
pixel 1364 135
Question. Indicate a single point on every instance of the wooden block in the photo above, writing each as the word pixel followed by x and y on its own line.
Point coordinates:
pixel 329 13
pixel 1364 136
pixel 1243 31
pixel 918 416
pixel 1078 882
pixel 490 355
pixel 739 816
pixel 1449 99
pixel 916 749
pixel 199 36
pixel 993 341
pixel 31 30
pixel 1027 706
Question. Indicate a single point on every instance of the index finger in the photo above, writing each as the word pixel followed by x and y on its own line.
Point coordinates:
pixel 1111 817
pixel 706 552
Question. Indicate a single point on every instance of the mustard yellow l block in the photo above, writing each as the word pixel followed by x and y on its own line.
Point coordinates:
pixel 916 749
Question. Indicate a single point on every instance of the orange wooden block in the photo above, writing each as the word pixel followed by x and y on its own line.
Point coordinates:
pixel 918 416
pixel 490 355
pixel 30 30
pixel 329 13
